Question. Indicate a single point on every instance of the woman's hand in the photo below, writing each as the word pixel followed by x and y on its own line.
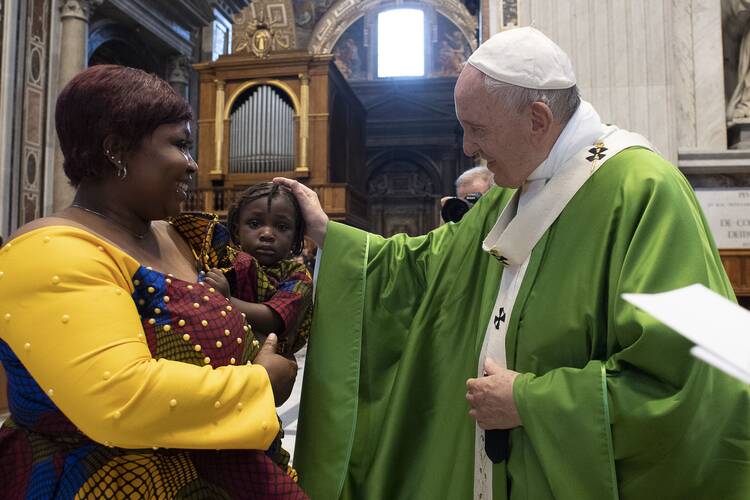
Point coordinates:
pixel 216 279
pixel 316 219
pixel 281 371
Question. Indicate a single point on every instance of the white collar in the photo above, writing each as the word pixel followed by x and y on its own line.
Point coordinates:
pixel 520 225
pixel 583 129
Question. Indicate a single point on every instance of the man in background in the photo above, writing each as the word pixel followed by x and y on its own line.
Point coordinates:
pixel 475 180
pixel 470 186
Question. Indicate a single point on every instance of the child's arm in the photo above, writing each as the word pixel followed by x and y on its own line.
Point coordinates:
pixel 292 302
pixel 262 318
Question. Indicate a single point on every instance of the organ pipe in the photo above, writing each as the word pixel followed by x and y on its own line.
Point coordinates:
pixel 262 134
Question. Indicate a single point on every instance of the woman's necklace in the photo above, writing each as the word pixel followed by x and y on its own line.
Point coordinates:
pixel 139 236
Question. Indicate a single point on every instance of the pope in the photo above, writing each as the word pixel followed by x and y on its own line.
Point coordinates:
pixel 504 338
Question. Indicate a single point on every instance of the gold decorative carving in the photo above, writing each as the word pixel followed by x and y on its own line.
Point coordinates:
pixel 79 9
pixel 255 37
pixel 262 28
pixel 304 124
pixel 254 83
pixel 219 127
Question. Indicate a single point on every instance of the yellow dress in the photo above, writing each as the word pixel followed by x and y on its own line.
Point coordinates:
pixel 121 378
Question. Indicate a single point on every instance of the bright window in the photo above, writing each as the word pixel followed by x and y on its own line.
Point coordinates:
pixel 401 43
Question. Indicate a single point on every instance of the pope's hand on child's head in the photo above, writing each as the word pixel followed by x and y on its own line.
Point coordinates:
pixel 315 218
pixel 216 279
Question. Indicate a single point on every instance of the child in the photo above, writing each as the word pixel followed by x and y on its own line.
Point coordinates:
pixel 265 282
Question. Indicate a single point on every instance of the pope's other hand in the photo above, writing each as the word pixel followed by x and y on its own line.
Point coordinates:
pixel 491 398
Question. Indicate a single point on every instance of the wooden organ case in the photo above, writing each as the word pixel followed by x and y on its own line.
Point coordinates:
pixel 291 114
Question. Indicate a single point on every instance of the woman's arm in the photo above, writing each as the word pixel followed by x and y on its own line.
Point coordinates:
pixel 69 317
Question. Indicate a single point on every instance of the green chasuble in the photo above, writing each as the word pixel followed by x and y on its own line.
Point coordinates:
pixel 612 403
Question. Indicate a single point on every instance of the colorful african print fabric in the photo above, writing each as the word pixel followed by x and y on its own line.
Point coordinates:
pixel 131 383
pixel 209 239
pixel 285 287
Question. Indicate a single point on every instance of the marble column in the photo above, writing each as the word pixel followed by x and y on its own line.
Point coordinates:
pixel 622 56
pixel 74 16
pixel 494 17
pixel 708 57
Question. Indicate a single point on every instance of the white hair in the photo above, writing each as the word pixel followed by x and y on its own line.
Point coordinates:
pixel 481 172
pixel 562 102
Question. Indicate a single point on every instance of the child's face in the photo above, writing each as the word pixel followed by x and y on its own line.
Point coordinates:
pixel 267 235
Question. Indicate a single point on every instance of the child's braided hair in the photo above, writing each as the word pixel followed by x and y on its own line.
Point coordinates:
pixel 267 190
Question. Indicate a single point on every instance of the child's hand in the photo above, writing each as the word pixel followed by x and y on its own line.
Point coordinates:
pixel 216 279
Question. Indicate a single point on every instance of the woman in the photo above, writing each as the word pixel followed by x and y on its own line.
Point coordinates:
pixel 126 373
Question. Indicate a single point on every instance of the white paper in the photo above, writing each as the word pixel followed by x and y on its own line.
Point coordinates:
pixel 719 363
pixel 719 328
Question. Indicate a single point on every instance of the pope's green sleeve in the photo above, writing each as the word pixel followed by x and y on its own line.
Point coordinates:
pixel 397 330
pixel 640 422
pixel 354 263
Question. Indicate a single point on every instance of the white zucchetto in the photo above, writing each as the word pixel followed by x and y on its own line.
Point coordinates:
pixel 524 57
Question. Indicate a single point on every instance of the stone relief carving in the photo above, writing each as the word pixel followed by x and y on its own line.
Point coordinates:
pixel 400 179
pixel 738 107
pixel 80 9
pixel 510 13
pixel 402 199
pixel 35 87
pixel 344 13
pixel 306 14
pixel 179 70
pixel 378 186
pixel 279 25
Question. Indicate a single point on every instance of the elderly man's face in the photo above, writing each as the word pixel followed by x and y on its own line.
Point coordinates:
pixel 475 185
pixel 505 138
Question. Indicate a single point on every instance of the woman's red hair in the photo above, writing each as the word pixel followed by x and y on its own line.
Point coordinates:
pixel 106 100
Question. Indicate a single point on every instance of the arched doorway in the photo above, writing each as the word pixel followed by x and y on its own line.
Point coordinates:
pixel 112 43
pixel 403 198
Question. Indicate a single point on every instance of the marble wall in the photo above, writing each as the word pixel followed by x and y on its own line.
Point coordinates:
pixel 636 61
pixel 699 75
pixel 25 96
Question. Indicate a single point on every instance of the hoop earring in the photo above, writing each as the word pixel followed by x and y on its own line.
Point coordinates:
pixel 122 170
